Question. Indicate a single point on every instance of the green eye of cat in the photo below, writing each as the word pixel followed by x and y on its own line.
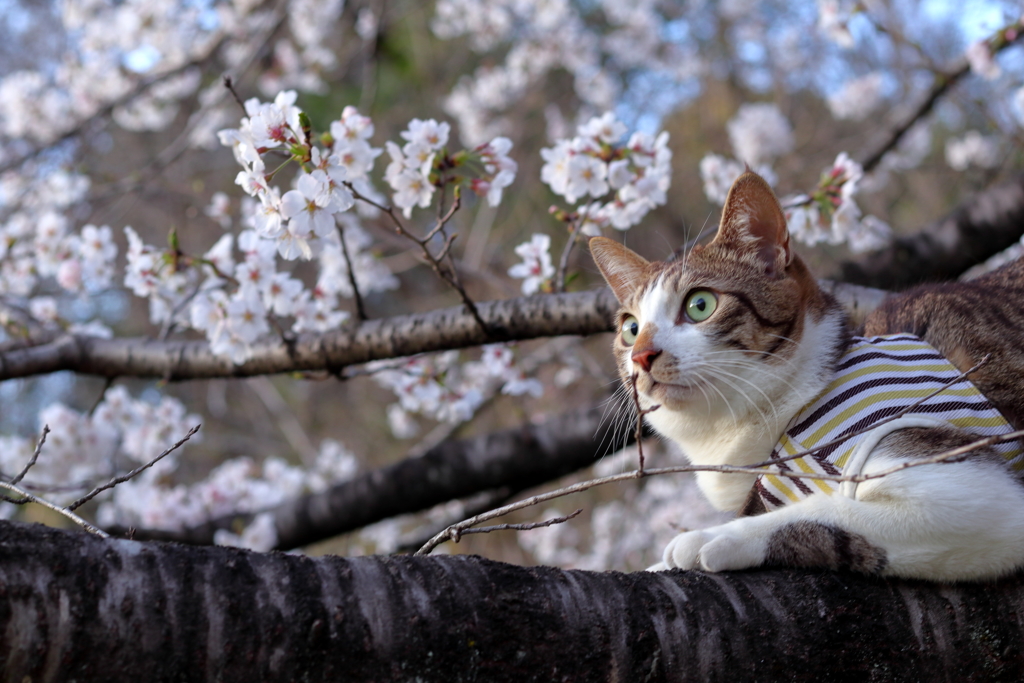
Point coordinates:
pixel 630 329
pixel 700 305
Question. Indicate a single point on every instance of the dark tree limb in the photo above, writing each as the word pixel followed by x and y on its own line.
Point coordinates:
pixel 984 225
pixel 75 607
pixel 515 459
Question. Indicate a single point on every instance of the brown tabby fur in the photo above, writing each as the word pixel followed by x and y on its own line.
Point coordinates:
pixel 966 321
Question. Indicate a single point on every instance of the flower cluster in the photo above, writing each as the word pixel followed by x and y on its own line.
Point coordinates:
pixel 833 21
pixel 832 216
pixel 423 164
pixel 719 173
pixel 628 180
pixel 439 387
pixel 84 450
pixel 40 250
pixel 536 268
pixel 982 60
pixel 408 174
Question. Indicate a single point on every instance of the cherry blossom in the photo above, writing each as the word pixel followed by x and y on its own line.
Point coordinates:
pixel 760 133
pixel 858 97
pixel 309 209
pixel 973 149
pixel 536 268
pixel 979 56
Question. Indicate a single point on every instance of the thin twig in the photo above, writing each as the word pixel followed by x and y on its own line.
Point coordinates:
pixel 360 310
pixel 31 498
pixel 35 456
pixel 461 528
pixel 229 83
pixel 517 527
pixel 640 412
pixel 99 399
pixel 446 273
pixel 563 261
pixel 120 480
pixel 481 502
pixel 948 456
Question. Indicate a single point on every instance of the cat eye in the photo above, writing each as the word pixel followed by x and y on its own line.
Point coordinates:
pixel 630 329
pixel 700 305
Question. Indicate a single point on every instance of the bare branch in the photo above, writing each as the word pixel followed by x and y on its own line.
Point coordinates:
pixel 519 527
pixel 454 531
pixel 360 309
pixel 563 261
pixel 447 273
pixel 229 83
pixel 27 497
pixel 35 456
pixel 640 412
pixel 78 605
pixel 123 478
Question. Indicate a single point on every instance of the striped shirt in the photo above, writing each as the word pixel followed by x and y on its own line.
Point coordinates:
pixel 876 378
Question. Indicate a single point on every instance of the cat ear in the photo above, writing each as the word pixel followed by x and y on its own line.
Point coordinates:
pixel 753 218
pixel 623 269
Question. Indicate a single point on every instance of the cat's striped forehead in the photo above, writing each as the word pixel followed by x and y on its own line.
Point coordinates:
pixel 755 313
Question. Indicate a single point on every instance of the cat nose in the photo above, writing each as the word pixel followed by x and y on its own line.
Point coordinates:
pixel 645 357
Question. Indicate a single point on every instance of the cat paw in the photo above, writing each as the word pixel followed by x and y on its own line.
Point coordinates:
pixel 683 551
pixel 713 550
pixel 659 567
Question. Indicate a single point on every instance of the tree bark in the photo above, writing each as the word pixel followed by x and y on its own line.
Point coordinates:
pixel 516 459
pixel 989 222
pixel 77 607
pixel 450 328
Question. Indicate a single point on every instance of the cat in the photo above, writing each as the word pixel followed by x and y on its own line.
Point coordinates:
pixel 747 359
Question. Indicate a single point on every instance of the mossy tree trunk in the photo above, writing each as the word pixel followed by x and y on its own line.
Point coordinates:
pixel 76 607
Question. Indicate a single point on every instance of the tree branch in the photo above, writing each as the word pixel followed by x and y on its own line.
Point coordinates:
pixel 450 328
pixel 516 459
pixel 984 225
pixel 76 607
pixel 548 315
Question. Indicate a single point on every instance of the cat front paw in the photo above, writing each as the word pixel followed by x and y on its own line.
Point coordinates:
pixel 683 551
pixel 713 550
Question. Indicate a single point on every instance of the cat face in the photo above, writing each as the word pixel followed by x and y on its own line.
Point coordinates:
pixel 719 333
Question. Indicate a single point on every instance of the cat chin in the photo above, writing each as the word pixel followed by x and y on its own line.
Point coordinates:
pixel 673 396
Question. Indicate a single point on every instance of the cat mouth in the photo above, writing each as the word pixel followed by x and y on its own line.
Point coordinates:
pixel 663 391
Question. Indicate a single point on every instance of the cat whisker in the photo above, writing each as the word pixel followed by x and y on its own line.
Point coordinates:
pixel 619 420
pixel 750 365
pixel 722 374
pixel 700 379
pixel 735 420
pixel 763 354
